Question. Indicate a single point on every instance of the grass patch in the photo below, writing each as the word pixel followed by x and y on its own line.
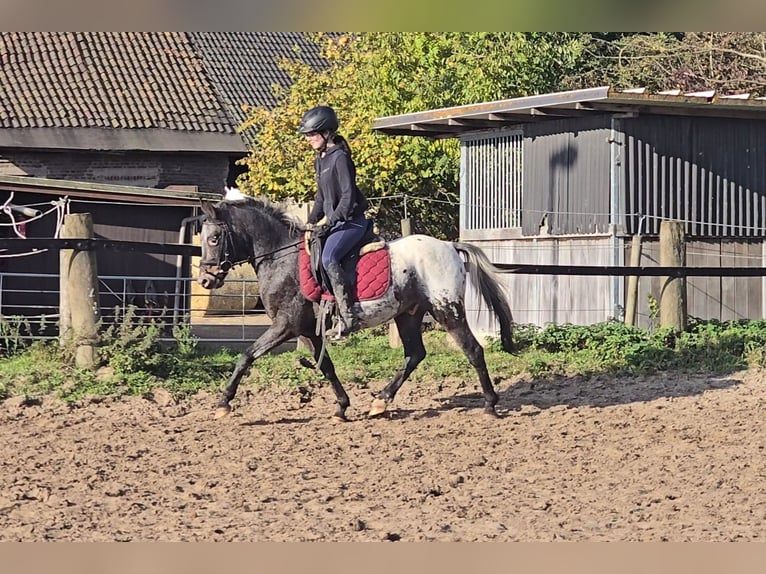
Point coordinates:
pixel 135 361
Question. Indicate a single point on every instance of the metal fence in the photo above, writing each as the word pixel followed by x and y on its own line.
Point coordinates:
pixel 232 318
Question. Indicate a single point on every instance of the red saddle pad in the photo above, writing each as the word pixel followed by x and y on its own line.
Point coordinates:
pixel 373 276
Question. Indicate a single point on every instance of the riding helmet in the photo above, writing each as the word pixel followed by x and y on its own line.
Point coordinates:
pixel 319 119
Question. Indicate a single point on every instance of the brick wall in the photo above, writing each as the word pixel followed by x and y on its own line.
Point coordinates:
pixel 143 169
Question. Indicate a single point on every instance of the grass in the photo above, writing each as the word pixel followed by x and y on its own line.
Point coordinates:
pixel 135 362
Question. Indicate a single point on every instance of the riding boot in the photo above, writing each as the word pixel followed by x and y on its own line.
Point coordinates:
pixel 342 292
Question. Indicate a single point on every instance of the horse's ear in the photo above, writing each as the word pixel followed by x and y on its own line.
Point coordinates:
pixel 208 209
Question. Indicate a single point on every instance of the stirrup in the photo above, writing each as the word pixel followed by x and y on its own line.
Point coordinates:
pixel 342 329
pixel 326 309
pixel 338 330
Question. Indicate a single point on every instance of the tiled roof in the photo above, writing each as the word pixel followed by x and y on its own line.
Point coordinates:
pixel 182 81
pixel 243 66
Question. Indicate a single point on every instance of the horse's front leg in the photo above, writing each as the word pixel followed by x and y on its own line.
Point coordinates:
pixel 275 335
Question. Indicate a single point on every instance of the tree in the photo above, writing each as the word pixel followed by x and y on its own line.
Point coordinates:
pixel 728 62
pixel 380 74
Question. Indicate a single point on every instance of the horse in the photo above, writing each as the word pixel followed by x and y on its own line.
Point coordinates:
pixel 427 275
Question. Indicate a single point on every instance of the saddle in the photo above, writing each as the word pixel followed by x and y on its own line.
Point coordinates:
pixel 366 268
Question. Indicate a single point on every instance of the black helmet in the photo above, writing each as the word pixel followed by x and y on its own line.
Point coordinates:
pixel 319 119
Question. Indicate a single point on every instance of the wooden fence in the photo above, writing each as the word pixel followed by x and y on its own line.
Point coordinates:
pixel 672 303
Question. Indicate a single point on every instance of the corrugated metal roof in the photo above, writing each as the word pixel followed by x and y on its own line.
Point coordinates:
pixel 454 121
pixel 81 189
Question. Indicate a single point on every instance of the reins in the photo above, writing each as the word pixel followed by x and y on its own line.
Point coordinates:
pixel 256 263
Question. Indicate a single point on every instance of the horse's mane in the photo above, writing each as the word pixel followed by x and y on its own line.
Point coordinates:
pixel 266 206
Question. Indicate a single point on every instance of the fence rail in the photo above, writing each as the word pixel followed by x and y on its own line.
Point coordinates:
pixel 625 271
pixel 37 243
pixel 171 300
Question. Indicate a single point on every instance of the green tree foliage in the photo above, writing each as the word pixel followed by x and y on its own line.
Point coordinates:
pixel 374 75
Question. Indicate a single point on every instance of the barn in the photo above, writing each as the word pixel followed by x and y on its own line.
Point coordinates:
pixel 570 178
pixel 149 109
pixel 133 127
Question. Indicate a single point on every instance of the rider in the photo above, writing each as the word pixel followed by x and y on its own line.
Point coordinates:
pixel 339 205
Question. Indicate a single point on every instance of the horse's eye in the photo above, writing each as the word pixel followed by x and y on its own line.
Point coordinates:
pixel 214 239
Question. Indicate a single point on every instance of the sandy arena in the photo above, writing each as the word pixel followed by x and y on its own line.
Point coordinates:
pixel 677 458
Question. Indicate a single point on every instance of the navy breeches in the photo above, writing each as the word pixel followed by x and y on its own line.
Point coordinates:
pixel 344 235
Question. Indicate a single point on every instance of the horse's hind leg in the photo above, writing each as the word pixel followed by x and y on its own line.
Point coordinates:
pixel 275 335
pixel 457 327
pixel 414 352
pixel 328 370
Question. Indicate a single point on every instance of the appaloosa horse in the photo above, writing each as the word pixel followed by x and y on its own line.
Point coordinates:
pixel 427 275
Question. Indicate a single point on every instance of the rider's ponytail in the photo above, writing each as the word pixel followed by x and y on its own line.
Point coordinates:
pixel 341 142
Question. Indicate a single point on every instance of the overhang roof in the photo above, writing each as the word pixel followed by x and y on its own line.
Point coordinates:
pixel 86 190
pixel 460 120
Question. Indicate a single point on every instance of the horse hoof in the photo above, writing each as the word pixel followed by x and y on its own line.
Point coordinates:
pixel 222 411
pixel 339 419
pixel 491 413
pixel 378 407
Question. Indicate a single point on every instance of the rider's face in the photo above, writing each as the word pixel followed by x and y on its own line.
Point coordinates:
pixel 315 139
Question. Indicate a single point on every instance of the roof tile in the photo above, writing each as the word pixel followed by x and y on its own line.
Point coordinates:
pixel 195 81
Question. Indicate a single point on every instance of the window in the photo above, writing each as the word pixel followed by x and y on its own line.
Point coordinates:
pixel 491 182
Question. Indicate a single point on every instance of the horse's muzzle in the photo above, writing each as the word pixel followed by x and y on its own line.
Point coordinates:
pixel 211 279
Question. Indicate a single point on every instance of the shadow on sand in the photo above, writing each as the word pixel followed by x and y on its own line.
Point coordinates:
pixel 597 391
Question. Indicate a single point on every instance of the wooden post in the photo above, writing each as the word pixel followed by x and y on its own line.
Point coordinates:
pixel 65 314
pixel 632 295
pixel 79 298
pixel 394 341
pixel 673 311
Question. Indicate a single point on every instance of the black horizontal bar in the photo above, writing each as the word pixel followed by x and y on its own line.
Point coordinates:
pixel 20 245
pixel 602 270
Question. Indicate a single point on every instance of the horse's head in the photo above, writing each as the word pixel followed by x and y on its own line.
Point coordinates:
pixel 217 244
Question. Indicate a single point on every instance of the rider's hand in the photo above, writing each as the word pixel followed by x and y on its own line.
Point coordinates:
pixel 307 237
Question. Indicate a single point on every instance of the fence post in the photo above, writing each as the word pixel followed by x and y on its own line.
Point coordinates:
pixel 673 311
pixel 632 294
pixel 79 298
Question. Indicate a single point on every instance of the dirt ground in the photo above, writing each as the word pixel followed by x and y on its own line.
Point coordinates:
pixel 663 458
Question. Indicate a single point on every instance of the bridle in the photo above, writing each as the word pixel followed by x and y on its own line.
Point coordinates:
pixel 224 264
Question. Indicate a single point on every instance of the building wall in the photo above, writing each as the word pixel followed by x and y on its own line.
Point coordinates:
pixel 583 300
pixel 546 299
pixel 111 220
pixel 567 177
pixel 719 298
pixel 207 171
pixel 708 172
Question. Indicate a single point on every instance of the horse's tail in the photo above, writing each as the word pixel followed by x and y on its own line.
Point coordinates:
pixel 485 277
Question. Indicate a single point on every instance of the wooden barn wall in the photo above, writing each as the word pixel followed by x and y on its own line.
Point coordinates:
pixel 545 299
pixel 566 177
pixel 585 300
pixel 708 172
pixel 206 170
pixel 111 221
pixel 721 298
